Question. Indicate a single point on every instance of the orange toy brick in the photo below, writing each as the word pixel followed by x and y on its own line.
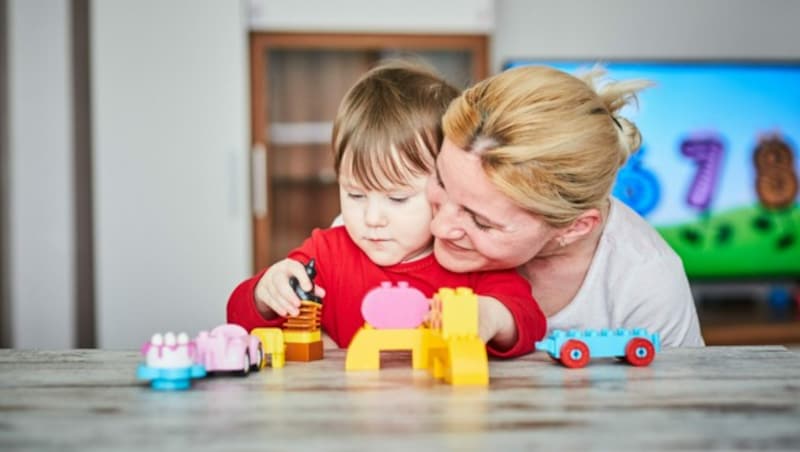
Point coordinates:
pixel 302 334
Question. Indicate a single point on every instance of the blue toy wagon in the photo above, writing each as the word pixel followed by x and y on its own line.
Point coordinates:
pixel 575 348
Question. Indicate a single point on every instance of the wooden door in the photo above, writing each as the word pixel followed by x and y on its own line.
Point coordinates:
pixel 297 82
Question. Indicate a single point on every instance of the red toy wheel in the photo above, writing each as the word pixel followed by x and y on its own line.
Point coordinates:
pixel 639 352
pixel 574 354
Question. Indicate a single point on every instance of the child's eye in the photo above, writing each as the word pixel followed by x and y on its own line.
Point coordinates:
pixel 398 199
pixel 355 195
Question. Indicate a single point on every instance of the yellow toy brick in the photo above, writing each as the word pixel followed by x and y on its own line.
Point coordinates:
pixel 272 344
pixel 449 346
pixel 364 352
pixel 461 361
pixel 459 312
pixel 459 355
pixel 302 337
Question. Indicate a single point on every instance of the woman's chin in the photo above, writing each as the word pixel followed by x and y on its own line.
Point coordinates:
pixel 454 259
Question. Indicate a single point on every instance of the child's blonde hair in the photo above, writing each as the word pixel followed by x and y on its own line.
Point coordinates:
pixel 549 141
pixel 388 126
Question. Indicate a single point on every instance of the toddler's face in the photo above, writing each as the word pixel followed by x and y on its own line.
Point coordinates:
pixel 390 226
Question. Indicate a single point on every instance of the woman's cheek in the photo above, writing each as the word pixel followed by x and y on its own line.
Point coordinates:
pixel 434 192
pixel 491 247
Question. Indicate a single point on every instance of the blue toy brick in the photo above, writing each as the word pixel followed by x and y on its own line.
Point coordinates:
pixel 602 344
pixel 170 379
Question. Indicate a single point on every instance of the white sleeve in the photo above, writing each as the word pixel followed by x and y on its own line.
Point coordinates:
pixel 657 297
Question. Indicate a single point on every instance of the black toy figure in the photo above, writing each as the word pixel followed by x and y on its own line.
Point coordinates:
pixel 311 271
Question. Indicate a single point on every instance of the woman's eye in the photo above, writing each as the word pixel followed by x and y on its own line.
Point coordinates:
pixel 479 225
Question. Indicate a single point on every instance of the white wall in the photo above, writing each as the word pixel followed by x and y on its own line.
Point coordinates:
pixel 170 118
pixel 170 130
pixel 687 29
pixel 377 16
pixel 41 190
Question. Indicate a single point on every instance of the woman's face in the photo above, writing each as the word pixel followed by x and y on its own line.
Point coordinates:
pixel 475 226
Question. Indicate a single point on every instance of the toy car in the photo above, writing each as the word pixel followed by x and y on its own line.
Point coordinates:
pixel 169 362
pixel 575 348
pixel 229 347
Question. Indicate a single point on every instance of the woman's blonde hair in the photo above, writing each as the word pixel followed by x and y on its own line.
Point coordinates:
pixel 549 141
pixel 388 126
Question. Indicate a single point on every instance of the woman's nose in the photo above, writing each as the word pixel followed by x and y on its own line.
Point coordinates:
pixel 445 223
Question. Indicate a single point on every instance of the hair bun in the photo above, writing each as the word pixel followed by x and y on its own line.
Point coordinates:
pixel 629 136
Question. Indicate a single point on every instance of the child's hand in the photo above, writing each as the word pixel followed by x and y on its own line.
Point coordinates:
pixel 495 323
pixel 273 289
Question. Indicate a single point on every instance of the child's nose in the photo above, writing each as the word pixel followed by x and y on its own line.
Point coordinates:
pixel 374 216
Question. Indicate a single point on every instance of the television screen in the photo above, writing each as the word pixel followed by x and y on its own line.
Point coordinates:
pixel 717 174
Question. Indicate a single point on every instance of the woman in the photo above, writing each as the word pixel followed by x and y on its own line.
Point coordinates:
pixel 524 179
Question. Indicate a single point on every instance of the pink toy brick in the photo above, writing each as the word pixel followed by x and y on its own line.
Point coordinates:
pixel 229 347
pixel 400 306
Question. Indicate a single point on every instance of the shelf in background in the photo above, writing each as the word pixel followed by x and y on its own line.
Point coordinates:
pixel 748 322
pixel 753 334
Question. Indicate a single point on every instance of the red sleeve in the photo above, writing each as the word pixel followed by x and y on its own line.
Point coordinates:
pixel 514 291
pixel 242 302
pixel 242 306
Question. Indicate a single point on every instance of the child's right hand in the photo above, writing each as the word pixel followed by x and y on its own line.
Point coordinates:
pixel 273 289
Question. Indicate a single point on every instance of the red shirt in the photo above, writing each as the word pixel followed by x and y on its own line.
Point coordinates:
pixel 347 274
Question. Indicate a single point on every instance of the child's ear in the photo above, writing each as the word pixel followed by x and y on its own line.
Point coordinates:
pixel 583 225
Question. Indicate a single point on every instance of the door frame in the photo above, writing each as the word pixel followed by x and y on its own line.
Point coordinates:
pixel 262 42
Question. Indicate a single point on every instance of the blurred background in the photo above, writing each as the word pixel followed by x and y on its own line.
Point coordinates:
pixel 154 153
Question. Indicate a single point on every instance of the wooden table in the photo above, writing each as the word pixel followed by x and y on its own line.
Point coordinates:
pixel 689 399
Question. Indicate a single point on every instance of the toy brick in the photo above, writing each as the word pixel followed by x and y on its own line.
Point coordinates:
pixel 303 337
pixel 311 351
pixel 366 346
pixel 307 320
pixel 449 347
pixel 272 345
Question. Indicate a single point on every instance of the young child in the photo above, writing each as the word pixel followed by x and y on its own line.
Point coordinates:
pixel 385 138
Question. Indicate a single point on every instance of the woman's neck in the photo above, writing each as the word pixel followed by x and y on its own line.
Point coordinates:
pixel 557 277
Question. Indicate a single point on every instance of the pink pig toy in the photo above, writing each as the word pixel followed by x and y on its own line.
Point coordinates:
pixel 398 306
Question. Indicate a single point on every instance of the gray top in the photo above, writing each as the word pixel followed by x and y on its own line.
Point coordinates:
pixel 688 399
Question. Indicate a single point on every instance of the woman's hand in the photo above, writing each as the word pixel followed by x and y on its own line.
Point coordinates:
pixel 274 296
